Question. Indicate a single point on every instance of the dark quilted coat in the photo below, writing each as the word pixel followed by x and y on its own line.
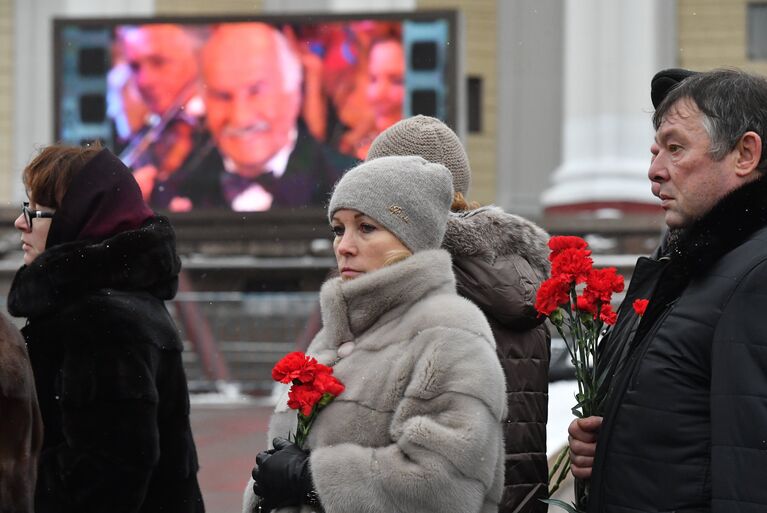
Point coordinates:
pixel 685 425
pixel 499 261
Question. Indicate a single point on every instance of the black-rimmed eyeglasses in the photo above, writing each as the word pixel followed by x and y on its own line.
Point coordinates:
pixel 31 214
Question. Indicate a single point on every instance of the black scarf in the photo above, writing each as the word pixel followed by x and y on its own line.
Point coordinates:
pixel 726 226
pixel 691 252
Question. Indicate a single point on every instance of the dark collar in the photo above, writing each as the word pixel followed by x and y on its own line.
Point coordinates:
pixel 144 259
pixel 726 226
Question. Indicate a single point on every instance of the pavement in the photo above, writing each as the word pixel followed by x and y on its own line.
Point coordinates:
pixel 228 437
pixel 230 429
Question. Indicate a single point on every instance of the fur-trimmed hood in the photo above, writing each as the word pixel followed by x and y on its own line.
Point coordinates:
pixel 734 219
pixel 490 233
pixel 144 259
pixel 500 261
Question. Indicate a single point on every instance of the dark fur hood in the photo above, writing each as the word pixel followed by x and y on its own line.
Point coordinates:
pixel 489 233
pixel 144 260
pixel 499 261
pixel 734 219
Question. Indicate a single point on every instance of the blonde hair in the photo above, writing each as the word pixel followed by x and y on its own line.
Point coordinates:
pixel 460 204
pixel 396 255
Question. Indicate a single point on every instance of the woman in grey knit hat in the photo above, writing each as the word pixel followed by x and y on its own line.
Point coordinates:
pixel 418 427
pixel 499 260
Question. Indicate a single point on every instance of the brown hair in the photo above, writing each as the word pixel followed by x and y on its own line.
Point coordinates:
pixel 50 173
pixel 460 204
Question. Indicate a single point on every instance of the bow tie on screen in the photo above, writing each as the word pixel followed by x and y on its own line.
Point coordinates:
pixel 234 184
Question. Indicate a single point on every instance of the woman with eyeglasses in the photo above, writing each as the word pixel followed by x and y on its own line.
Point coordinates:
pixel 106 355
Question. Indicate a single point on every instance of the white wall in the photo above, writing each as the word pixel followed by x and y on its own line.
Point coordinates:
pixel 302 6
pixel 530 76
pixel 372 5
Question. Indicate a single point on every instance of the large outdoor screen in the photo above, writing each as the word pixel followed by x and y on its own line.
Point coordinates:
pixel 248 114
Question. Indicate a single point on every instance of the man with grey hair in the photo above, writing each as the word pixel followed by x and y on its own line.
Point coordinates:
pixel 266 158
pixel 685 414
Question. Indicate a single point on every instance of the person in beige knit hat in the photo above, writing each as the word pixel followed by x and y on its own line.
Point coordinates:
pixel 499 260
pixel 429 138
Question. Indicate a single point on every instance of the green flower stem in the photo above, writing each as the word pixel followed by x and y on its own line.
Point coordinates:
pixel 575 330
pixel 303 427
pixel 305 422
pixel 560 469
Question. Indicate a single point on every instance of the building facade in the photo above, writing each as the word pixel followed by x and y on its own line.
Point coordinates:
pixel 560 87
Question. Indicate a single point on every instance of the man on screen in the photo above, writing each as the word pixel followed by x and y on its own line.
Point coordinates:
pixel 163 65
pixel 266 157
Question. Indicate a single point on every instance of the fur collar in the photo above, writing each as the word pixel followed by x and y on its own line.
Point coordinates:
pixel 735 218
pixel 144 259
pixel 350 307
pixel 489 233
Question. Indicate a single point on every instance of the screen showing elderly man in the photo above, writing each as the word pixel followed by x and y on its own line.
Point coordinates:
pixel 266 158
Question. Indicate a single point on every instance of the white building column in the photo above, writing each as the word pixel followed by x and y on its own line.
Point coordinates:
pixel 530 95
pixel 612 50
pixel 335 6
pixel 33 117
pixel 372 5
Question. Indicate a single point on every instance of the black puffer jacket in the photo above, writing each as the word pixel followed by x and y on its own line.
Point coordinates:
pixel 685 426
pixel 499 261
pixel 107 363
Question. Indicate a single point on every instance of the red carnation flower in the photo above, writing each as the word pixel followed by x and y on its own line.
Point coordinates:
pixel 313 388
pixel 326 383
pixel 295 366
pixel 607 315
pixel 640 306
pixel 303 397
pixel 580 321
pixel 559 243
pixel 553 292
pixel 602 283
pixel 586 304
pixel 572 264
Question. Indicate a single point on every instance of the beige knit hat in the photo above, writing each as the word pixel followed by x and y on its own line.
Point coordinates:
pixel 429 138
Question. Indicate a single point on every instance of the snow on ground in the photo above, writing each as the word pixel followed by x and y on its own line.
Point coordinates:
pixel 227 393
pixel 561 401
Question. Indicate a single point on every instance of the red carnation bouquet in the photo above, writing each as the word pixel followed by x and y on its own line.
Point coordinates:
pixel 577 301
pixel 313 387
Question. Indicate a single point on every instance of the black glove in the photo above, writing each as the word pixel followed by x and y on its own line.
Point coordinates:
pixel 282 475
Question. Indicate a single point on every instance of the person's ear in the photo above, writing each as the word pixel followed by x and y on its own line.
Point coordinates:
pixel 748 153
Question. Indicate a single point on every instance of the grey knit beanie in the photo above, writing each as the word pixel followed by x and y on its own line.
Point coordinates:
pixel 409 196
pixel 429 138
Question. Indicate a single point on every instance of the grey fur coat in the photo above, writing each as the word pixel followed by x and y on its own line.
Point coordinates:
pixel 419 426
